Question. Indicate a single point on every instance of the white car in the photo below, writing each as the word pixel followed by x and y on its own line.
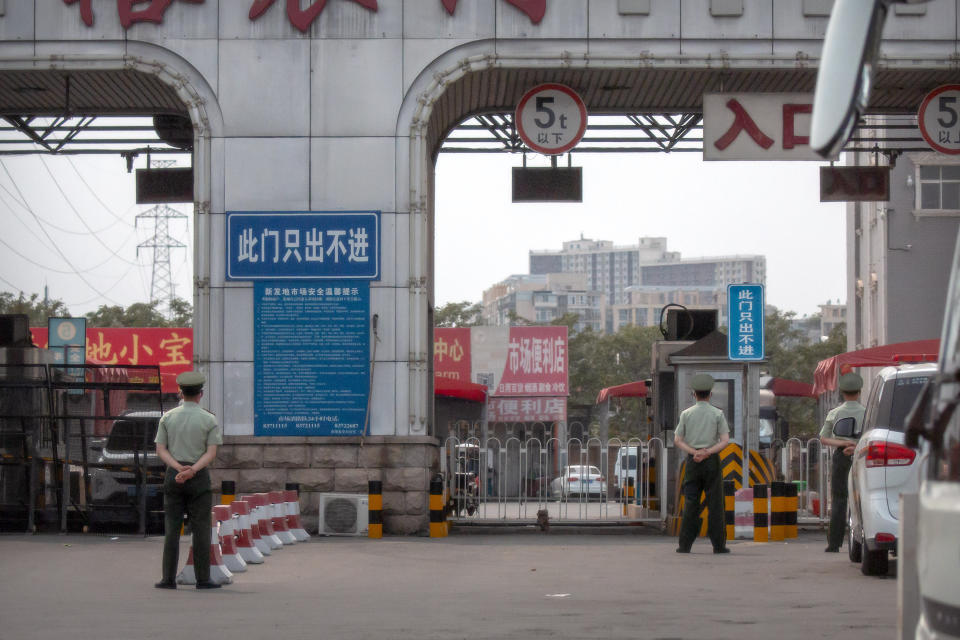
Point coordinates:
pixel 883 467
pixel 579 481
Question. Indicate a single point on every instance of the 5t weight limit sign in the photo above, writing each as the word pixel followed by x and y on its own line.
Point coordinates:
pixel 551 118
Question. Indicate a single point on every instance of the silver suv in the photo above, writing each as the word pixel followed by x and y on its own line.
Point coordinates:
pixel 114 490
pixel 883 466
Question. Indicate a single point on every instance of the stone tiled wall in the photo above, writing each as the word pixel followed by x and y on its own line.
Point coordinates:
pixel 336 465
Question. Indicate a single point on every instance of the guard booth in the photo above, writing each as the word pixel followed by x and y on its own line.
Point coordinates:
pixel 736 391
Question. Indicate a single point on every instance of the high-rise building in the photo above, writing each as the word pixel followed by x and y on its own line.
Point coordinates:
pixel 542 298
pixel 614 270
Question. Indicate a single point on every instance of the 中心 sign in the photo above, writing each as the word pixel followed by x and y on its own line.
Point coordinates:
pixel 303 245
pixel 745 310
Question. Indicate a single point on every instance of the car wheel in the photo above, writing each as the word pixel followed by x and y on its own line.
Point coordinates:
pixel 874 563
pixel 854 546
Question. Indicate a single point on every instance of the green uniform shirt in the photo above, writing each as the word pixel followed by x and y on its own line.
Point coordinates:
pixel 187 430
pixel 702 425
pixel 849 409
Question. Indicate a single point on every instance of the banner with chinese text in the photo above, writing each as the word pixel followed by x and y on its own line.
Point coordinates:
pixel 171 349
pixel 451 353
pixel 537 409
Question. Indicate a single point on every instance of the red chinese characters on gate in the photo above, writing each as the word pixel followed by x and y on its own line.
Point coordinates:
pixel 299 17
pixel 536 363
pixel 760 126
pixel 171 349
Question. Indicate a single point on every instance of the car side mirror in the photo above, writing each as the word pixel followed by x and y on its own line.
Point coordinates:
pixel 846 428
pixel 843 80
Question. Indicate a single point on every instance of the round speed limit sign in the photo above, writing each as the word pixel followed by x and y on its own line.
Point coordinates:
pixel 939 119
pixel 551 118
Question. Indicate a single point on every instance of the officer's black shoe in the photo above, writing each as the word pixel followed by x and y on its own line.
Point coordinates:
pixel 722 550
pixel 682 550
pixel 163 584
pixel 832 550
pixel 209 584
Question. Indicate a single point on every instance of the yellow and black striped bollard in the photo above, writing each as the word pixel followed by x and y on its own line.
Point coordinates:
pixel 631 495
pixel 438 521
pixel 778 500
pixel 729 507
pixel 375 509
pixel 793 503
pixel 760 533
pixel 228 491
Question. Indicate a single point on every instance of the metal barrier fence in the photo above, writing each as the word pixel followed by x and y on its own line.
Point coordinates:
pixel 808 466
pixel 64 462
pixel 515 479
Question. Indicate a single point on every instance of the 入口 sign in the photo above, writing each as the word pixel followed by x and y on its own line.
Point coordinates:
pixel 757 126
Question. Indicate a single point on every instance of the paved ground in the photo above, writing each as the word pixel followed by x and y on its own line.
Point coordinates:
pixel 465 586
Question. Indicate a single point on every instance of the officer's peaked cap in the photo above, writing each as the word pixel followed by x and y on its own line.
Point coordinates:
pixel 191 379
pixel 850 382
pixel 702 382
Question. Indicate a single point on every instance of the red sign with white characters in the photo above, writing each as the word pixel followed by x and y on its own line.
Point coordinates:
pixel 536 363
pixel 451 353
pixel 171 349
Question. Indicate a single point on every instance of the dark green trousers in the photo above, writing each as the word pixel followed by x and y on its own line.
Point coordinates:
pixel 702 477
pixel 194 498
pixel 839 471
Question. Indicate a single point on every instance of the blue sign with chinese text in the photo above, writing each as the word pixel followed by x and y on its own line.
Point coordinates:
pixel 311 358
pixel 303 245
pixel 745 305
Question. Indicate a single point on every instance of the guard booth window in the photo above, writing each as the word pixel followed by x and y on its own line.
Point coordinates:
pixel 939 188
pixel 722 399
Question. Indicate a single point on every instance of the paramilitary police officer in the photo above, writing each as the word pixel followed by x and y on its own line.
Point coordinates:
pixel 850 385
pixel 187 440
pixel 703 433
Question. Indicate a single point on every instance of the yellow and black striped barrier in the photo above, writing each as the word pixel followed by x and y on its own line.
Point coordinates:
pixel 778 511
pixel 760 533
pixel 793 494
pixel 375 509
pixel 228 491
pixel 731 469
pixel 438 520
pixel 631 495
pixel 729 507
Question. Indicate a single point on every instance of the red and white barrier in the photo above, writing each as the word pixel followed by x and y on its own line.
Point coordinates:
pixel 218 572
pixel 293 516
pixel 264 522
pixel 245 543
pixel 278 514
pixel 228 541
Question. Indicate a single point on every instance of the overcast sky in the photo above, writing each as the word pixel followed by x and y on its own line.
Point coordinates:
pixel 69 224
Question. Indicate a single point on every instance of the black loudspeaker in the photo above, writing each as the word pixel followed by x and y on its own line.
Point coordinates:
pixel 15 330
pixel 690 324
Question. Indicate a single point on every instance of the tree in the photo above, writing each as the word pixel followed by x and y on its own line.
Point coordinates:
pixel 37 309
pixel 141 314
pixel 458 314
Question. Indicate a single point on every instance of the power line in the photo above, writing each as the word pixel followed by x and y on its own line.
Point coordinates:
pixel 94 193
pixel 62 255
pixel 93 233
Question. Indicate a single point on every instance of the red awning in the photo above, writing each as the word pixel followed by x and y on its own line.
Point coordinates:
pixel 630 390
pixel 825 377
pixel 783 388
pixel 459 389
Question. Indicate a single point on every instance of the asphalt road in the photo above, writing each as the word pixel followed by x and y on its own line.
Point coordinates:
pixel 518 585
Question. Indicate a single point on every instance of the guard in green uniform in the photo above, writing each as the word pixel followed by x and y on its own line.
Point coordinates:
pixel 850 385
pixel 187 440
pixel 703 433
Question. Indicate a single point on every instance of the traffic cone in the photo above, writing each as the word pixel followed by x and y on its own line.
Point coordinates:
pixel 261 543
pixel 232 559
pixel 218 572
pixel 245 545
pixel 293 516
pixel 262 512
pixel 278 514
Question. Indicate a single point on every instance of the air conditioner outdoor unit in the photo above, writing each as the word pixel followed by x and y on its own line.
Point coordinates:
pixel 344 514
